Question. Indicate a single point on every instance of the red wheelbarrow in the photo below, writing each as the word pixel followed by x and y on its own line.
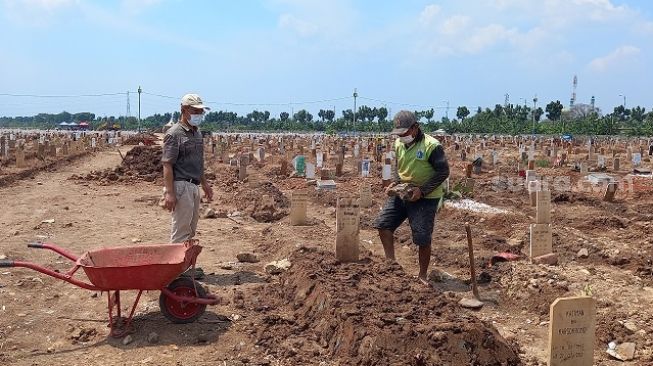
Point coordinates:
pixel 142 268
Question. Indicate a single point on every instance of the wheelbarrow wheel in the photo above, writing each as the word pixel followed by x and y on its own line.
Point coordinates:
pixel 182 312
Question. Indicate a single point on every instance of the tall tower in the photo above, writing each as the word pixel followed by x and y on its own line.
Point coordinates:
pixel 573 92
pixel 128 109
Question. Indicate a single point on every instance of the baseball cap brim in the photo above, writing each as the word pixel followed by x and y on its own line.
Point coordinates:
pixel 400 131
pixel 198 106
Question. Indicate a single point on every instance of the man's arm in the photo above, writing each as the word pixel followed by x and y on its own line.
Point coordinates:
pixel 438 161
pixel 168 158
pixel 208 191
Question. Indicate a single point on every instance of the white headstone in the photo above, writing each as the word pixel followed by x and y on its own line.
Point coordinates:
pixel 310 171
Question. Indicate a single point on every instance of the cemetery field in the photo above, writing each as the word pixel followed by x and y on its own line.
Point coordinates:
pixel 319 310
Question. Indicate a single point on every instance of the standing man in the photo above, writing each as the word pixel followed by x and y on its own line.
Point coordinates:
pixel 183 169
pixel 420 161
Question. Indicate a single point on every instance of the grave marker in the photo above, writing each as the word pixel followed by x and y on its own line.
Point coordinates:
pixel 298 203
pixel 615 163
pixel 347 229
pixel 242 167
pixel 541 240
pixel 571 331
pixel 366 195
pixel 543 210
pixel 610 191
pixel 310 171
pixel 20 157
pixel 365 168
pixel 637 159
pixel 533 187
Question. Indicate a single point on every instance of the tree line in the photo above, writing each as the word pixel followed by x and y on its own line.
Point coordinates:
pixel 581 119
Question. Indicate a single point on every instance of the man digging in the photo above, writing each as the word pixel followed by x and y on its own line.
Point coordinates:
pixel 183 171
pixel 420 169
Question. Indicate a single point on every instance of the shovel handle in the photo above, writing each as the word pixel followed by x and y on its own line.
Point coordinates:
pixel 472 268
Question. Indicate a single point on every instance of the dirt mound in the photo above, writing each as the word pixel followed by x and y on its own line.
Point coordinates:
pixel 264 202
pixel 572 197
pixel 141 163
pixel 367 313
pixel 144 138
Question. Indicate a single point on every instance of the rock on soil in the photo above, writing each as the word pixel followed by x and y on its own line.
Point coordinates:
pixel 367 313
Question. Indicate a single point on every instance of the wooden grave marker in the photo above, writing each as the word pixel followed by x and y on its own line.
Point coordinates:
pixel 543 210
pixel 571 331
pixel 347 229
pixel 610 192
pixel 541 240
pixel 298 204
pixel 366 195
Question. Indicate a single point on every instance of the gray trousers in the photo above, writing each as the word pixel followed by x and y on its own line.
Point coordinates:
pixel 186 213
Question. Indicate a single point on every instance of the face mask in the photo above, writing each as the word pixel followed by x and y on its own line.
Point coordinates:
pixel 196 119
pixel 406 139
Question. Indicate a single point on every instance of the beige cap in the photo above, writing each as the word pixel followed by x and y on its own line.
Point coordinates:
pixel 403 121
pixel 194 101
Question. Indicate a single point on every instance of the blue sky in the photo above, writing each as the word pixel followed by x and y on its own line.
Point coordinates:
pixel 409 54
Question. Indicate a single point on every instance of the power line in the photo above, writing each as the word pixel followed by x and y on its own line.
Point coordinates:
pixel 256 104
pixel 291 103
pixel 404 104
pixel 59 96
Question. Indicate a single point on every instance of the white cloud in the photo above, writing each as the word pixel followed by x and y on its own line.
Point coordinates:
pixel 427 16
pixel 616 57
pixel 487 36
pixel 454 24
pixel 134 7
pixel 644 27
pixel 303 28
pixel 34 12
pixel 327 19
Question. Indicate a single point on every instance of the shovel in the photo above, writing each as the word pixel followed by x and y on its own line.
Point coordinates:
pixel 475 302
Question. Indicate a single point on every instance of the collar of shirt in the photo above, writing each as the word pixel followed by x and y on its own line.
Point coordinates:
pixel 187 128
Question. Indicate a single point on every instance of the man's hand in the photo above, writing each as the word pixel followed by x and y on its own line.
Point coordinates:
pixel 417 194
pixel 169 201
pixel 387 189
pixel 208 192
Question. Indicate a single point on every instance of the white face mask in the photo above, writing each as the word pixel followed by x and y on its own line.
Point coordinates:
pixel 196 119
pixel 406 139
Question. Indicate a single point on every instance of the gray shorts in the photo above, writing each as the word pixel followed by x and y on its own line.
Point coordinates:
pixel 420 215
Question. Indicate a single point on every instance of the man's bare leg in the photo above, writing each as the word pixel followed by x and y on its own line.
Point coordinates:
pixel 424 260
pixel 388 241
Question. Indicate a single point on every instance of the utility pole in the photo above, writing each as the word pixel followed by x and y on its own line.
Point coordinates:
pixel 533 112
pixel 623 95
pixel 139 108
pixel 355 96
pixel 447 109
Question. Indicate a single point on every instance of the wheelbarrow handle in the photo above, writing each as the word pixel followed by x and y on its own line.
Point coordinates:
pixel 6 263
pixel 62 252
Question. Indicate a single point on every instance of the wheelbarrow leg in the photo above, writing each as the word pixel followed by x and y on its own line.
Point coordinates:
pixel 119 326
pixel 114 301
pixel 131 314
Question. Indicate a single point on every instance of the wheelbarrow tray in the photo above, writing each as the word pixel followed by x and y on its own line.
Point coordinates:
pixel 143 267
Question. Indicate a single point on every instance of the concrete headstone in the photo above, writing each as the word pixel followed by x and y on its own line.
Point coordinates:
pixel 571 332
